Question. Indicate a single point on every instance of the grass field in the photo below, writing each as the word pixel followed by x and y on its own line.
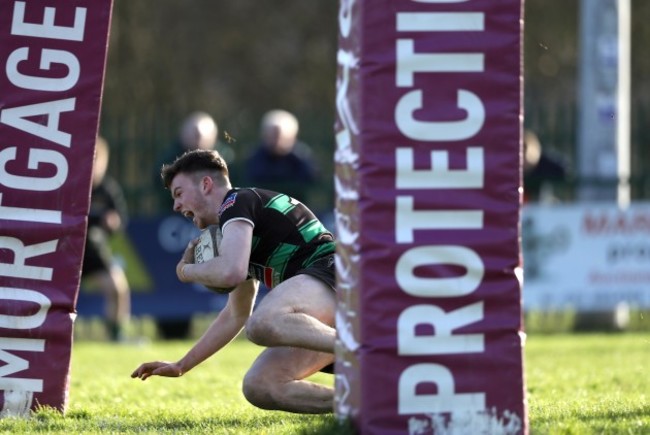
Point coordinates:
pixel 577 384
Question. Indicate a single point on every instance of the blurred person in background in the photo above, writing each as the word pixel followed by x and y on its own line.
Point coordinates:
pixel 197 131
pixel 280 161
pixel 543 172
pixel 107 215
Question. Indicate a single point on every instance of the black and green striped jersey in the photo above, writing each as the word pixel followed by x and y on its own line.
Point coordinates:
pixel 287 236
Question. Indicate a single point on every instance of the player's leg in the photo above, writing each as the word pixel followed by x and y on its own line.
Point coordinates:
pixel 96 267
pixel 123 294
pixel 115 288
pixel 276 381
pixel 298 313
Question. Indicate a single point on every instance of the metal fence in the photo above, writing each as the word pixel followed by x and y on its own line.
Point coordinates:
pixel 136 145
pixel 556 123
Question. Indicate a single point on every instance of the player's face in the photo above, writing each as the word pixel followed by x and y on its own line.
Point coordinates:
pixel 189 199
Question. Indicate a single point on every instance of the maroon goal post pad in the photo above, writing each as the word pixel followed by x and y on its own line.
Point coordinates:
pixel 53 56
pixel 429 119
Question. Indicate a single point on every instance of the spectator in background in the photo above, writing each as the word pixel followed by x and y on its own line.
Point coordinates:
pixel 542 171
pixel 281 162
pixel 198 131
pixel 107 215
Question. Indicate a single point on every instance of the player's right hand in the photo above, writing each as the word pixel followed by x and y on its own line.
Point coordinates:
pixel 187 258
pixel 157 368
pixel 188 255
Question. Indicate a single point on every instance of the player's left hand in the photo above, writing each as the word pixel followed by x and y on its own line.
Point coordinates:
pixel 157 368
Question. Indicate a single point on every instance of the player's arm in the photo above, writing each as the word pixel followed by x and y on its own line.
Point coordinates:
pixel 230 267
pixel 225 327
pixel 228 323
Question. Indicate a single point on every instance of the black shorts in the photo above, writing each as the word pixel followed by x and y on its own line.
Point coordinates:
pixel 97 253
pixel 324 269
pixel 328 369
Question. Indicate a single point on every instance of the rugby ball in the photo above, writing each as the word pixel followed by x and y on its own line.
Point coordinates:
pixel 208 248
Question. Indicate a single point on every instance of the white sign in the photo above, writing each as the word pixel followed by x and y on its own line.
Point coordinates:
pixel 586 256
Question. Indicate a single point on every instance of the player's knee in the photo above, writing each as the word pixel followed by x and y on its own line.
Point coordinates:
pixel 262 330
pixel 258 391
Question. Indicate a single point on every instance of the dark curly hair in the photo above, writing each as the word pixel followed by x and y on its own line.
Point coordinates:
pixel 196 161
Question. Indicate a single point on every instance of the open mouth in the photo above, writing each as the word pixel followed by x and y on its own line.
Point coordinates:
pixel 188 214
